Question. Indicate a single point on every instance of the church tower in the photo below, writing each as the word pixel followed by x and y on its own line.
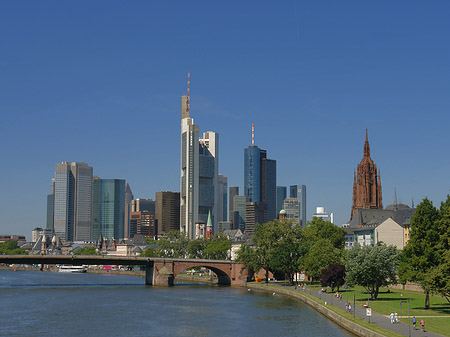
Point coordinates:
pixel 366 183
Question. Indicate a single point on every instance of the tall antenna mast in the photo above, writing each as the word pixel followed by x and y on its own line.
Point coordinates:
pixel 188 94
pixel 253 134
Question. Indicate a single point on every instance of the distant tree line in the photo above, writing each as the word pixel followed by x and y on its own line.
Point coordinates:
pixel 10 247
pixel 177 245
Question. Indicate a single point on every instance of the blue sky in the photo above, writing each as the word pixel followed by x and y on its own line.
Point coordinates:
pixel 100 82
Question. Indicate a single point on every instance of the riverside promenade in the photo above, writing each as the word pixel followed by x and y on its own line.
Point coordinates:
pixel 376 318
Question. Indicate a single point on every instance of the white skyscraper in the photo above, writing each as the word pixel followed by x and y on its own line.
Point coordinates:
pixel 199 173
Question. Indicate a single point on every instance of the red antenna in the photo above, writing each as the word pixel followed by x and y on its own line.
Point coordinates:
pixel 188 93
pixel 253 134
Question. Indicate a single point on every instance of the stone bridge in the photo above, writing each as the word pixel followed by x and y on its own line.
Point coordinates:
pixel 158 271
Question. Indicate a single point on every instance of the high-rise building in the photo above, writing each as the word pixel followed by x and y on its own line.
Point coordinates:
pixel 109 208
pixel 167 211
pixel 299 192
pixel 234 190
pixel 222 211
pixel 281 195
pixel 208 193
pixel 366 183
pixel 128 200
pixel 239 214
pixel 143 223
pixel 291 207
pixel 260 179
pixel 254 214
pixel 139 205
pixel 199 172
pixel 269 188
pixel 72 201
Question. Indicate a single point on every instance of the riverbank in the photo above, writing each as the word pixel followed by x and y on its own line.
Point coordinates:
pixel 343 319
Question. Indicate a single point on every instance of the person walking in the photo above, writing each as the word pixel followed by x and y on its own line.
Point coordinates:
pixel 395 318
pixel 392 317
pixel 414 322
pixel 422 323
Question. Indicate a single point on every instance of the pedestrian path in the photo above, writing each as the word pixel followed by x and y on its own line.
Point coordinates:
pixel 377 319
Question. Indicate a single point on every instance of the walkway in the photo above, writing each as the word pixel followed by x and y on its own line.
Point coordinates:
pixel 377 319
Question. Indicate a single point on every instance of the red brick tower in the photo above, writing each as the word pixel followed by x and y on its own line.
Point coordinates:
pixel 366 183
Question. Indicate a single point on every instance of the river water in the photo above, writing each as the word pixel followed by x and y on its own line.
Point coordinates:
pixel 37 303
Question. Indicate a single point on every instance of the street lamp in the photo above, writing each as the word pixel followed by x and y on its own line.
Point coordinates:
pixel 409 318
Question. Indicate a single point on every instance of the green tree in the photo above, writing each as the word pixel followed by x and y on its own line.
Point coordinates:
pixel 320 255
pixel 247 256
pixel 266 235
pixel 88 250
pixel 196 248
pixel 173 245
pixel 286 252
pixel 320 229
pixel 217 248
pixel 438 277
pixel 372 267
pixel 149 252
pixel 9 247
pixel 421 253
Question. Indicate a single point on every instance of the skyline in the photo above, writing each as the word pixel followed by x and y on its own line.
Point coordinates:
pixel 102 84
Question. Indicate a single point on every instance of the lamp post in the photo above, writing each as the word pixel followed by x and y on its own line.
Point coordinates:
pixel 409 318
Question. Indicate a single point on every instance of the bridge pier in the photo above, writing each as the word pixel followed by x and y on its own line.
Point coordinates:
pixel 149 275
pixel 162 277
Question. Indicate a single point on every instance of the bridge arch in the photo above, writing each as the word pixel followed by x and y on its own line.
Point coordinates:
pixel 222 277
pixel 222 270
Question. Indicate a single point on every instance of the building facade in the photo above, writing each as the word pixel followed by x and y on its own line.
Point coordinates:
pixel 291 207
pixel 234 190
pixel 167 211
pixel 109 208
pixel 72 201
pixel 281 195
pixel 222 209
pixel 299 192
pixel 139 205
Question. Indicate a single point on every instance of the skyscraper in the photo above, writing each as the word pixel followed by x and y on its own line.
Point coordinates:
pixel 199 172
pixel 128 199
pixel 72 207
pixel 222 211
pixel 299 192
pixel 366 183
pixel 281 195
pixel 260 180
pixel 139 205
pixel 109 208
pixel 234 190
pixel 167 211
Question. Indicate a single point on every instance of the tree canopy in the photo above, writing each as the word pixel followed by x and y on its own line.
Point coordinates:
pixel 9 247
pixel 421 254
pixel 372 267
pixel 88 250
pixel 333 276
pixel 276 248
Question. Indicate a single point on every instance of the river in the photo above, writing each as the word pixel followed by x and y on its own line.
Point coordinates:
pixel 37 303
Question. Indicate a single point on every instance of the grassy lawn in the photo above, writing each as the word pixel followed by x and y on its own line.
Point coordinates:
pixel 389 301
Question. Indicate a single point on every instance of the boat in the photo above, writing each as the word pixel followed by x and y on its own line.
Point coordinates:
pixel 72 269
